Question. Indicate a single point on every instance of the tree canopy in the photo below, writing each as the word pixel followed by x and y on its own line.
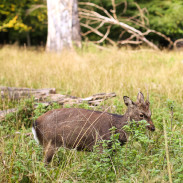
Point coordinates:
pixel 17 20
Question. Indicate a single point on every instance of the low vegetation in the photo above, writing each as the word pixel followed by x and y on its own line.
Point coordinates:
pixel 147 157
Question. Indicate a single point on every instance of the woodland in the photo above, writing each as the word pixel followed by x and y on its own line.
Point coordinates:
pixel 25 21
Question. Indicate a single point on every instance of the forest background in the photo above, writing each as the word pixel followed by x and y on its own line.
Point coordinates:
pixel 25 21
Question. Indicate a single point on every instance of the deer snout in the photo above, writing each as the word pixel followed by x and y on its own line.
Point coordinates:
pixel 151 128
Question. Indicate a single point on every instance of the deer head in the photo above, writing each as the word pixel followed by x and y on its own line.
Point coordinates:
pixel 139 110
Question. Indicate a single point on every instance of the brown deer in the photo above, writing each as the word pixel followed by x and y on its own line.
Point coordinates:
pixel 81 128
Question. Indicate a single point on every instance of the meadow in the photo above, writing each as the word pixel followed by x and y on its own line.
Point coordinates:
pixel 147 156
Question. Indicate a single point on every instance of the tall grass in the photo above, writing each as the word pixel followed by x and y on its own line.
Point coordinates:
pixel 92 71
pixel 147 157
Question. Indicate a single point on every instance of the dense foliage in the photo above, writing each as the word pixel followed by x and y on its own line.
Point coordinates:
pixel 25 21
pixel 19 24
pixel 142 159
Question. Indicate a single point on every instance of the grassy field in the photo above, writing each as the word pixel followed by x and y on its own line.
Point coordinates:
pixel 147 157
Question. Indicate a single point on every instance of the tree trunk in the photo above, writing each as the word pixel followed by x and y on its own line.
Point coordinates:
pixel 76 31
pixel 61 16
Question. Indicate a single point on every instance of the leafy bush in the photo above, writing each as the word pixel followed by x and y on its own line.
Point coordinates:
pixel 41 109
pixel 22 116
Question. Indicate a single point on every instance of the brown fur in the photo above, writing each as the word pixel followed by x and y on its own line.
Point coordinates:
pixel 81 128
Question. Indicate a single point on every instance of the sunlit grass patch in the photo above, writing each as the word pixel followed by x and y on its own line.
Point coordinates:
pixel 84 73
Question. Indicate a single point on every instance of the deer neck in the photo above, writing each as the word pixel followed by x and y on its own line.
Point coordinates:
pixel 120 121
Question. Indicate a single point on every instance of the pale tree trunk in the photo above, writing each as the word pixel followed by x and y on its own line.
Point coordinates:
pixel 76 31
pixel 62 24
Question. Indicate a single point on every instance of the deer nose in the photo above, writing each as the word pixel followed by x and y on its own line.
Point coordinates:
pixel 151 128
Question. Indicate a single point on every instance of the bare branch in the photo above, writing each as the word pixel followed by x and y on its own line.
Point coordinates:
pixel 130 42
pixel 141 11
pixel 114 9
pixel 100 25
pixel 160 34
pixel 106 34
pixel 125 8
pixel 34 7
pixel 86 33
pixel 136 36
pixel 122 33
pixel 175 43
pixel 96 6
pixel 98 33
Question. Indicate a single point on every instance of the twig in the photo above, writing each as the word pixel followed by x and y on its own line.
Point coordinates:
pixel 105 36
pixel 141 11
pixel 160 34
pixel 96 6
pixel 97 32
pixel 114 9
pixel 175 43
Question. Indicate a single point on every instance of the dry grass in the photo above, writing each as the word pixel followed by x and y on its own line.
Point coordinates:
pixel 92 71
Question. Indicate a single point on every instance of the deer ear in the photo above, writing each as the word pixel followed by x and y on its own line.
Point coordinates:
pixel 140 97
pixel 128 101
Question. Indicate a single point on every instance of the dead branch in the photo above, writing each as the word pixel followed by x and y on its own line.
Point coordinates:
pixel 125 8
pixel 98 33
pixel 35 7
pixel 114 9
pixel 161 35
pixel 105 36
pixel 14 93
pixel 176 42
pixel 142 16
pixel 96 6
pixel 128 39
pixel 128 28
pixel 137 36
pixel 130 42
pixel 51 97
pixel 121 35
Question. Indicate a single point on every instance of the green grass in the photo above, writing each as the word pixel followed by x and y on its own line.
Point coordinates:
pixel 147 157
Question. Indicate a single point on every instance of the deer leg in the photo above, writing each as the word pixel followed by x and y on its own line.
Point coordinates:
pixel 49 152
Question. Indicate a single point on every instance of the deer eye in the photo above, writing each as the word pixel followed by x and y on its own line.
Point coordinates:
pixel 141 115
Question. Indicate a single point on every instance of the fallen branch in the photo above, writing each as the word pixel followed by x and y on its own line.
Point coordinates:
pixel 14 93
pixel 98 33
pixel 136 36
pixel 177 42
pixel 46 97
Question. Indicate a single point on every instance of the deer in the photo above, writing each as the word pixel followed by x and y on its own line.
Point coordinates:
pixel 81 129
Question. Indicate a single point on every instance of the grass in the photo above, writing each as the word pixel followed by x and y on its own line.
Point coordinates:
pixel 147 157
pixel 91 71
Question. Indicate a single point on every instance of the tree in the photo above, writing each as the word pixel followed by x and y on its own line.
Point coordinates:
pixel 63 25
pixel 16 25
